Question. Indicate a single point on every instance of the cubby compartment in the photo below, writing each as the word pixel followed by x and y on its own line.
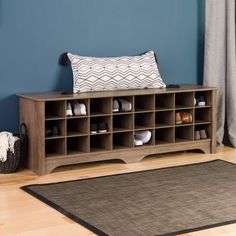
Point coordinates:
pixel 77 127
pixel 55 147
pixel 122 123
pixel 203 115
pixel 99 143
pixel 100 106
pixel 183 134
pixel 129 99
pixel 144 103
pixel 123 140
pixel 206 127
pixel 144 120
pixel 150 142
pixel 164 118
pixel 100 119
pixel 164 136
pixel 81 101
pixel 165 101
pixel 54 129
pixel 188 111
pixel 207 95
pixel 184 100
pixel 77 145
pixel 54 110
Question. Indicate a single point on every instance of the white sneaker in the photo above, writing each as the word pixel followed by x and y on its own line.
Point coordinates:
pixel 125 105
pixel 144 136
pixel 69 110
pixel 138 142
pixel 79 109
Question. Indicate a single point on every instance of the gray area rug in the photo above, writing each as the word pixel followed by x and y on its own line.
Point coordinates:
pixel 166 201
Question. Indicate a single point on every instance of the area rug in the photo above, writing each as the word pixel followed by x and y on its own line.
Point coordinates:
pixel 166 201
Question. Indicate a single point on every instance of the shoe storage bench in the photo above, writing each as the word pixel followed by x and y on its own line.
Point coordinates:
pixel 152 109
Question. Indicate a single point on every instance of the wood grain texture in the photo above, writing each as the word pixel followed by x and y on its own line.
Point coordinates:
pixel 23 215
pixel 153 109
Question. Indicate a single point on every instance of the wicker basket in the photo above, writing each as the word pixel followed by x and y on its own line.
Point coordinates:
pixel 13 159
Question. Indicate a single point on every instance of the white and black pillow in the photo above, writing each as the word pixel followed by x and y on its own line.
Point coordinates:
pixel 115 73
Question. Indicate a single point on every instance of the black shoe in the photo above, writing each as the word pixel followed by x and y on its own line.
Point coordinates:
pixel 55 131
pixel 102 127
pixel 93 128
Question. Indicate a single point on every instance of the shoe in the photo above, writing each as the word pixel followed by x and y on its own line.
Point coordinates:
pixel 144 136
pixel 178 119
pixel 200 101
pixel 197 135
pixel 102 127
pixel 115 106
pixel 203 134
pixel 55 131
pixel 138 142
pixel 94 128
pixel 186 117
pixel 69 110
pixel 48 132
pixel 124 105
pixel 79 109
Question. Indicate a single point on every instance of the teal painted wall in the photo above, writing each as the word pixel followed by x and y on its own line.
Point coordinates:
pixel 33 34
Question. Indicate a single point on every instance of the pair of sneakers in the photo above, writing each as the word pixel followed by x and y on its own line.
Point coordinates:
pixel 54 131
pixel 183 117
pixel 199 101
pixel 142 137
pixel 121 104
pixel 79 109
pixel 98 128
pixel 200 134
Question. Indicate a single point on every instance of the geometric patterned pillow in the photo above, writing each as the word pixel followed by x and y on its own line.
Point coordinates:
pixel 115 73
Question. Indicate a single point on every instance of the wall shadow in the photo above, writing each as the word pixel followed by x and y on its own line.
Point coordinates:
pixel 201 39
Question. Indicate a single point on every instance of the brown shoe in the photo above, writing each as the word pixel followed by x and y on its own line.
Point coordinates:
pixel 178 119
pixel 203 134
pixel 186 117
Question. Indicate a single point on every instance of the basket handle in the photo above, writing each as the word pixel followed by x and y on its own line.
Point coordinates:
pixel 23 130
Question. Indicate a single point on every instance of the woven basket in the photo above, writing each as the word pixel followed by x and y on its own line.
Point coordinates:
pixel 13 159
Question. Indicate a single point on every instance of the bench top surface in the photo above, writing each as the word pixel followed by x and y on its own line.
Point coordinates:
pixel 57 95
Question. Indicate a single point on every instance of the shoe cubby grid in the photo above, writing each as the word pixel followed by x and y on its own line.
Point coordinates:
pixel 77 127
pixel 184 134
pixel 122 123
pixel 150 142
pixel 188 111
pixel 77 145
pixel 55 147
pixel 100 106
pixel 100 143
pixel 144 103
pixel 164 136
pixel 106 120
pixel 130 99
pixel 149 112
pixel 184 100
pixel 164 102
pixel 55 129
pixel 164 119
pixel 206 127
pixel 122 140
pixel 207 98
pixel 86 102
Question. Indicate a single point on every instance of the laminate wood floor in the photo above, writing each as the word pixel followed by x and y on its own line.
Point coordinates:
pixel 24 215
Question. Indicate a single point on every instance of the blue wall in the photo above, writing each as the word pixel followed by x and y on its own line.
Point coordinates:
pixel 33 34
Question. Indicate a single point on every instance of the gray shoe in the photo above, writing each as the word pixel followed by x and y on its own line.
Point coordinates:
pixel 115 106
pixel 197 135
pixel 203 134
pixel 124 105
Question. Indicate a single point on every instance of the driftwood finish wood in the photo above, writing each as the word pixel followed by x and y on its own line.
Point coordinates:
pixel 152 109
